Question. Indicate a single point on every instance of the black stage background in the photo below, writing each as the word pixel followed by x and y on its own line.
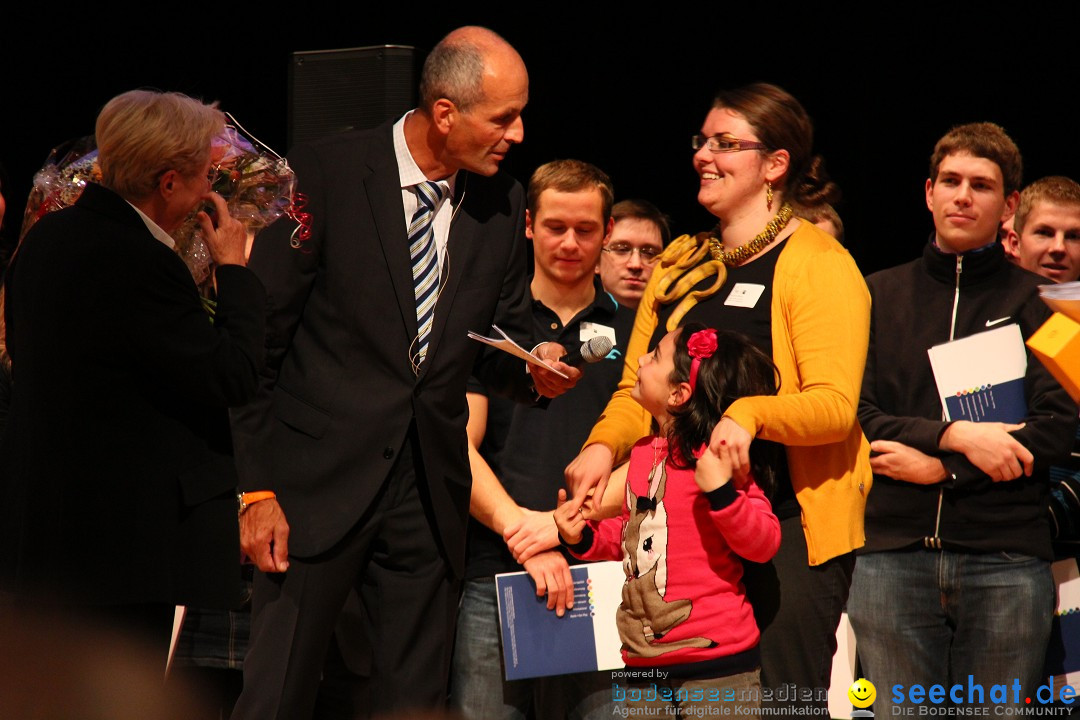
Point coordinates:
pixel 625 92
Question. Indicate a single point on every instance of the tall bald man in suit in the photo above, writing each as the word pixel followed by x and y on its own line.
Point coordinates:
pixel 360 425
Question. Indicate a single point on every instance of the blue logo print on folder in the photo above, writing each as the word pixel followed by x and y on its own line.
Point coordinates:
pixel 989 403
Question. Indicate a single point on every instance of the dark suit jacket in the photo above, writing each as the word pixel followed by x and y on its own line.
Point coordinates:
pixel 339 394
pixel 116 473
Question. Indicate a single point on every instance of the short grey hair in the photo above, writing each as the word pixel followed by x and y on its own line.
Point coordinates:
pixel 455 68
pixel 142 134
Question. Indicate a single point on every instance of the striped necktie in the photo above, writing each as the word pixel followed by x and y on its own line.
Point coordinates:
pixel 425 266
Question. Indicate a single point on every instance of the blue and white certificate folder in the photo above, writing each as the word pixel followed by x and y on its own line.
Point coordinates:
pixel 536 642
pixel 981 377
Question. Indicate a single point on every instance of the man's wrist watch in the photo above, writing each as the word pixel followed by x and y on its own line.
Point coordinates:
pixel 246 499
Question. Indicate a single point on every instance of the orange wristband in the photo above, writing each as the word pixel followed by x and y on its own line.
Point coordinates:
pixel 247 499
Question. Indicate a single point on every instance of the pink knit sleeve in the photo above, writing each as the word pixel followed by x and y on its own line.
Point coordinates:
pixel 748 524
pixel 606 540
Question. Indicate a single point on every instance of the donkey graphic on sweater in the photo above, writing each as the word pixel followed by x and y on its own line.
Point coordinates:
pixel 645 617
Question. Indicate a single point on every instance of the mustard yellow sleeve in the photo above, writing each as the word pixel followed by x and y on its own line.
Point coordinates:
pixel 624 421
pixel 823 308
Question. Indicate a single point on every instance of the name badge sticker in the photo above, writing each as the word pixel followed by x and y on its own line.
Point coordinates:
pixel 590 330
pixel 744 295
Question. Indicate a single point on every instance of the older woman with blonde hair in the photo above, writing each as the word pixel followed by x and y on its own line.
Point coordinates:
pixel 117 484
pixel 797 294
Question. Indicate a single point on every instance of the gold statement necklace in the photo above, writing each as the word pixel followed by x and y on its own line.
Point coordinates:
pixel 752 248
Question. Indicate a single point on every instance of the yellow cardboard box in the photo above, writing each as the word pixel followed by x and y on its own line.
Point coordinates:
pixel 1057 345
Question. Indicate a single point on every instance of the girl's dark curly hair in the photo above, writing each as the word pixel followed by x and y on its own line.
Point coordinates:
pixel 737 369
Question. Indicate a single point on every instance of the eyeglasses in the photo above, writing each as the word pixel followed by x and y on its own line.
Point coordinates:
pixel 623 251
pixel 725 144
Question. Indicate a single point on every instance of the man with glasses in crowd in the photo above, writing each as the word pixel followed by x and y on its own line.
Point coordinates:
pixel 629 255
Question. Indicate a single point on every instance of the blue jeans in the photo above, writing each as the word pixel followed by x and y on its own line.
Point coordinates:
pixel 937 617
pixel 477 687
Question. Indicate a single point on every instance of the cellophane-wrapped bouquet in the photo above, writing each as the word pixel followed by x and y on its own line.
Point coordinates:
pixel 257 185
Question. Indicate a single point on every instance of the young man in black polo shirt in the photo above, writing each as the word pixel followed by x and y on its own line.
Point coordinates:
pixel 525 449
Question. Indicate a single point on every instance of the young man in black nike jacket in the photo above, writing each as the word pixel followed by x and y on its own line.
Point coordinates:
pixel 954 580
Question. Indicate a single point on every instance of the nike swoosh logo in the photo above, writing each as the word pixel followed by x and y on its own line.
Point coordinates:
pixel 991 323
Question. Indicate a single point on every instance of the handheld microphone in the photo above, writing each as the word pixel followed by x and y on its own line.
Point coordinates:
pixel 592 350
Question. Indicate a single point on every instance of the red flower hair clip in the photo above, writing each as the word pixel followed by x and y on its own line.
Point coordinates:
pixel 701 345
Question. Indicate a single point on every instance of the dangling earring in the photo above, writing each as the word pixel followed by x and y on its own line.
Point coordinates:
pixel 768 194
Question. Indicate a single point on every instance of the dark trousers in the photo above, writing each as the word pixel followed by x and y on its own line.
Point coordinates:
pixel 409 604
pixel 797 608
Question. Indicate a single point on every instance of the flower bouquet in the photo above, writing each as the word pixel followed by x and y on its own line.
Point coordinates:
pixel 257 185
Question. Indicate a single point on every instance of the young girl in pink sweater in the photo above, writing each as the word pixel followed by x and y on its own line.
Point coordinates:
pixel 686 525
